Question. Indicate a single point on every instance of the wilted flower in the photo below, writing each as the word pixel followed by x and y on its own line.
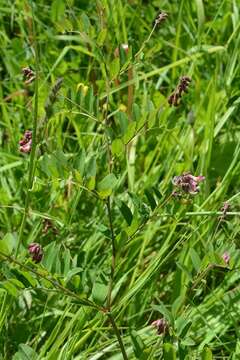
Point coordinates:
pixel 28 74
pixel 162 16
pixel 224 209
pixel 26 142
pixel 36 252
pixel 182 88
pixel 161 325
pixel 48 225
pixel 188 183
pixel 226 257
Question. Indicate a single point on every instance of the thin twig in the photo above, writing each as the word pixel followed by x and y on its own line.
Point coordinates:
pixel 146 41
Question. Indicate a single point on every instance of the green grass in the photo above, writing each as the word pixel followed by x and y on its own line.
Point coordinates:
pixel 120 251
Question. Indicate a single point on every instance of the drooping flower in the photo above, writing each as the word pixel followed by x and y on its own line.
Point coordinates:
pixel 36 252
pixel 29 75
pixel 161 325
pixel 26 142
pixel 174 98
pixel 188 183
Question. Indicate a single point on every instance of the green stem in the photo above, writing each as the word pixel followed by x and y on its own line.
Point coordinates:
pixel 110 286
pixel 118 335
pixel 146 41
pixel 34 143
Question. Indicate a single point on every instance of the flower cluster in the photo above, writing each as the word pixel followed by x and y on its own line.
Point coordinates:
pixel 29 75
pixel 25 144
pixel 161 325
pixel 36 252
pixel 182 88
pixel 187 184
pixel 162 16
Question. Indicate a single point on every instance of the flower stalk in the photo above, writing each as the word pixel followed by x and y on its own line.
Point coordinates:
pixel 33 141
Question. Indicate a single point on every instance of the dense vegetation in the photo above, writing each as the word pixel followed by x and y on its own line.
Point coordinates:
pixel 120 177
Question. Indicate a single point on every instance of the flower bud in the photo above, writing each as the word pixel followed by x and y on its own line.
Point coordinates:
pixel 161 325
pixel 36 252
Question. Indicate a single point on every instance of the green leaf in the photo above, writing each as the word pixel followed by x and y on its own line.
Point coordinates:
pixel 73 272
pixel 51 252
pixel 101 37
pixel 150 198
pixel 99 292
pixel 9 286
pixel 122 119
pixel 118 147
pixel 57 10
pixel 169 352
pixel 114 68
pixel 106 186
pixel 195 259
pixel 91 167
pixel 25 352
pixel 182 326
pixel 138 346
pixel 206 354
pixel 136 113
pixel 130 132
pixel 126 212
pixel 7 243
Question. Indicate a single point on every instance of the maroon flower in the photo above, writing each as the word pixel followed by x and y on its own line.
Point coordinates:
pixel 226 257
pixel 182 88
pixel 188 183
pixel 28 74
pixel 36 252
pixel 161 325
pixel 26 142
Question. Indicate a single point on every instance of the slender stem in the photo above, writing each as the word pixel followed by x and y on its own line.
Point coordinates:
pixel 34 143
pixel 146 41
pixel 118 335
pixel 110 286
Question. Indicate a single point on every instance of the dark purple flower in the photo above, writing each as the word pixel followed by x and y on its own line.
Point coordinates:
pixel 26 142
pixel 36 252
pixel 28 74
pixel 161 325
pixel 226 257
pixel 182 88
pixel 188 183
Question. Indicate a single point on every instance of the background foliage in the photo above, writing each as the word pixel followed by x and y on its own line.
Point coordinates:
pixel 108 145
